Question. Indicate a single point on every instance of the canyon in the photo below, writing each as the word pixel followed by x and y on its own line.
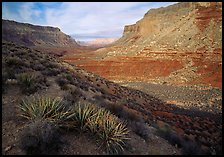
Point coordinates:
pixel 98 42
pixel 165 69
pixel 180 44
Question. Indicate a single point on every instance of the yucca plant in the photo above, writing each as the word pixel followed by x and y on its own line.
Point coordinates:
pixel 36 107
pixel 83 112
pixel 94 120
pixel 113 133
pixel 27 82
pixel 110 130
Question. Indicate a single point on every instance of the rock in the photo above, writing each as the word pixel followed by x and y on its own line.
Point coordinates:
pixel 8 148
pixel 33 36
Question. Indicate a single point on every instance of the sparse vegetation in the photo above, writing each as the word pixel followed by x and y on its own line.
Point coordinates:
pixel 37 107
pixel 27 82
pixel 51 71
pixel 190 148
pixel 13 61
pixel 62 82
pixel 167 133
pixel 110 130
pixel 140 129
pixel 71 97
pixel 40 137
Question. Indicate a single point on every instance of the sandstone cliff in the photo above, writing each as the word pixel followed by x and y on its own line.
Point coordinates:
pixel 179 44
pixel 33 35
pixel 182 27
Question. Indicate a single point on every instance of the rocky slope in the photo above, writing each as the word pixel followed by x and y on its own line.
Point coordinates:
pixel 182 27
pixel 178 44
pixel 33 35
pixel 43 38
pixel 192 130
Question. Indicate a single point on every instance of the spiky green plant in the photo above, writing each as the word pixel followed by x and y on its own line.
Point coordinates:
pixel 113 133
pixel 94 120
pixel 37 107
pixel 27 82
pixel 26 78
pixel 83 112
pixel 110 130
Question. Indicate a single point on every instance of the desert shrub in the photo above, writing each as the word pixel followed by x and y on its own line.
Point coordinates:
pixel 52 65
pixel 130 115
pixel 42 81
pixel 69 77
pixel 116 108
pixel 112 133
pixel 50 71
pixel 164 130
pixel 40 137
pixel 190 148
pixel 72 97
pixel 37 107
pixel 11 73
pixel 167 133
pixel 175 139
pixel 140 128
pixel 13 61
pixel 38 67
pixel 62 82
pixel 27 82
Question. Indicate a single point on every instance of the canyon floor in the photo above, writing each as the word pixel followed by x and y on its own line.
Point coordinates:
pixel 162 118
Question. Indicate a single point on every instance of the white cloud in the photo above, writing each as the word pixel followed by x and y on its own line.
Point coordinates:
pixel 84 18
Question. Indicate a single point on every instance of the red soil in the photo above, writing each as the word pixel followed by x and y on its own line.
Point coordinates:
pixel 130 68
pixel 205 14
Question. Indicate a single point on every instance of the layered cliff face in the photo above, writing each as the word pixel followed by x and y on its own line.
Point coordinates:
pixel 182 27
pixel 179 44
pixel 32 35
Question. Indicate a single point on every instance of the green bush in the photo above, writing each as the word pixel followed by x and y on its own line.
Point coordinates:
pixel 69 77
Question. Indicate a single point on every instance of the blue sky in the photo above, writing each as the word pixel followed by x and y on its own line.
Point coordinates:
pixel 82 20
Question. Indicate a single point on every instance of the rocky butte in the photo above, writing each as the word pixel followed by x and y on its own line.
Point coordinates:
pixel 49 39
pixel 180 44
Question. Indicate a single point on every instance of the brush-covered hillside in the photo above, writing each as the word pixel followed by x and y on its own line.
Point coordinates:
pixel 52 107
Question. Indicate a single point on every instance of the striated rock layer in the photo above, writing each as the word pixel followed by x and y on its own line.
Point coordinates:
pixel 178 44
pixel 43 38
pixel 32 35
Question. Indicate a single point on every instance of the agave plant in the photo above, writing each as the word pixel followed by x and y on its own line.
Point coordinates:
pixel 110 130
pixel 83 112
pixel 36 107
pixel 113 133
pixel 94 120
pixel 26 79
pixel 27 82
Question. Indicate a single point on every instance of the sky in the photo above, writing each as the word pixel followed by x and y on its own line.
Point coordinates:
pixel 82 20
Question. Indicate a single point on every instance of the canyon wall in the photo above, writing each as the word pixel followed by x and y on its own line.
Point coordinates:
pixel 178 44
pixel 33 35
